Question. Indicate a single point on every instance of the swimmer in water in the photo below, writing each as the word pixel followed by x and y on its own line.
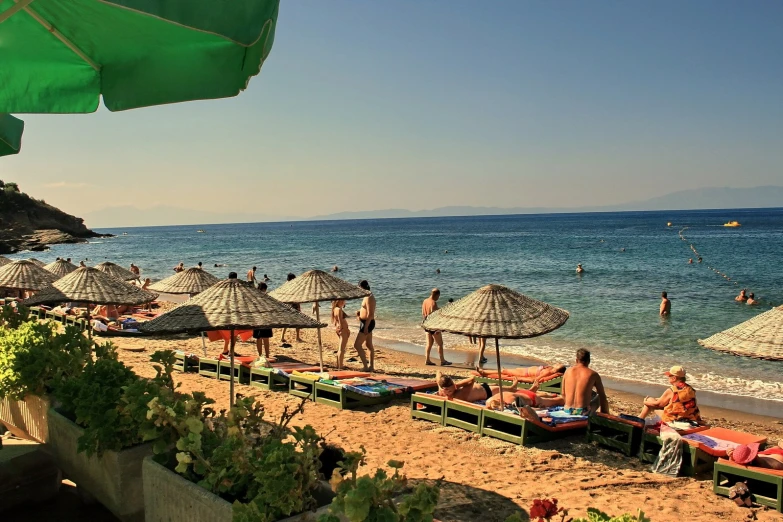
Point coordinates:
pixel 751 299
pixel 742 297
pixel 579 268
pixel 690 261
pixel 666 305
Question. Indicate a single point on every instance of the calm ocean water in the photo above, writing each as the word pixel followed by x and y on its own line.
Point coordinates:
pixel 613 306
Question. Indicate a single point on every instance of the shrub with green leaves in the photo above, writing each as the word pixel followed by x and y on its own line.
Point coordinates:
pixel 266 470
pixel 13 317
pixel 374 498
pixel 595 515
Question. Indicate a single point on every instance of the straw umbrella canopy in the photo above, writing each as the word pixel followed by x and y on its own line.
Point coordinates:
pixel 315 286
pixel 190 281
pixel 38 262
pixel 229 305
pixel 60 268
pixel 116 271
pixel 494 311
pixel 760 337
pixel 11 130
pixel 25 275
pixel 91 286
pixel 64 56
pixel 4 261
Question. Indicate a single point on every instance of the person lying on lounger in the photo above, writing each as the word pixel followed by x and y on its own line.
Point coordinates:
pixel 467 389
pixel 749 455
pixel 526 398
pixel 540 373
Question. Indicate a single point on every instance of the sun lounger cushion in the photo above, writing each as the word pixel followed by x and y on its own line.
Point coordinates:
pixel 716 441
pixel 246 360
pixel 368 387
pixel 225 335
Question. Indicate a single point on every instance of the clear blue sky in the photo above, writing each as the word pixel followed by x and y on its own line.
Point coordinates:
pixel 368 105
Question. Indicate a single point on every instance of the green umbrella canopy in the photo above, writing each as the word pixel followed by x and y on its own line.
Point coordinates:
pixel 10 134
pixel 60 56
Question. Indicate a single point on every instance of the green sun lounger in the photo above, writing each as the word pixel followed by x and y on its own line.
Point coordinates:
pixel 615 432
pixel 465 415
pixel 185 362
pixel 766 485
pixel 693 462
pixel 208 367
pixel 270 379
pixel 375 390
pixel 428 406
pixel 525 432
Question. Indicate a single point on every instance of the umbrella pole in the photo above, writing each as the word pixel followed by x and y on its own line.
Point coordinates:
pixel 89 323
pixel 500 376
pixel 231 386
pixel 203 344
pixel 320 346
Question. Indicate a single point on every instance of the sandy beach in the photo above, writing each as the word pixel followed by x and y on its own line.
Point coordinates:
pixel 483 478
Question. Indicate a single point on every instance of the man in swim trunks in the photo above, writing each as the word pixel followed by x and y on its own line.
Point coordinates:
pixel 578 384
pixel 251 276
pixel 428 306
pixel 366 325
pixel 468 390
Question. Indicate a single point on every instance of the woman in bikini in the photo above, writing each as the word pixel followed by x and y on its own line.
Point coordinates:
pixel 539 373
pixel 340 323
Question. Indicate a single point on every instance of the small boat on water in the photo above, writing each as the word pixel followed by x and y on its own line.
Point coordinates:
pixel 732 224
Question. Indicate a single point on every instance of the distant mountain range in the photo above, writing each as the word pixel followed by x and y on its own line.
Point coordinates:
pixel 696 199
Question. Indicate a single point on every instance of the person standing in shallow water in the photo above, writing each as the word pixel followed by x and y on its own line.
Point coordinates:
pixel 427 307
pixel 295 306
pixel 366 316
pixel 666 305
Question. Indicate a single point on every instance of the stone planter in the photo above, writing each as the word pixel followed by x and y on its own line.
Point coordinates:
pixel 114 479
pixel 172 498
pixel 27 418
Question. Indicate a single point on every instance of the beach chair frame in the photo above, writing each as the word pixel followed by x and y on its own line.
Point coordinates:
pixel 551 386
pixel 208 367
pixel 463 415
pixel 184 364
pixel 241 372
pixel 766 488
pixel 339 397
pixel 614 434
pixel 300 386
pixel 694 460
pixel 429 407
pixel 268 379
pixel 518 430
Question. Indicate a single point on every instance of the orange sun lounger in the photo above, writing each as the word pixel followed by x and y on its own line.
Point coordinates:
pixel 765 484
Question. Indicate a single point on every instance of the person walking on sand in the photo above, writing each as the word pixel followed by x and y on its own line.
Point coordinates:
pixel 340 323
pixel 666 305
pixel 578 384
pixel 262 335
pixel 366 316
pixel 251 276
pixel 297 307
pixel 427 307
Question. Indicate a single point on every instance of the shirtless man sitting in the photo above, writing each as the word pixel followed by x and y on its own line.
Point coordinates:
pixel 578 384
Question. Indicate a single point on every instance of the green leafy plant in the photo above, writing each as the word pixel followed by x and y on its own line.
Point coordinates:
pixel 594 515
pixel 13 317
pixel 37 359
pixel 545 510
pixel 372 498
pixel 266 470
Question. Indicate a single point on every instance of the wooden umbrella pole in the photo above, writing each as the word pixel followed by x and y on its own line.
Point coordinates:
pixel 89 323
pixel 231 385
pixel 500 376
pixel 320 346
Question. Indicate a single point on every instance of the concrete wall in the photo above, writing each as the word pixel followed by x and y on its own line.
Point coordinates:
pixel 113 479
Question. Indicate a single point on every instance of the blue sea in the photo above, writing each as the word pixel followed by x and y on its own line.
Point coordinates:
pixel 629 258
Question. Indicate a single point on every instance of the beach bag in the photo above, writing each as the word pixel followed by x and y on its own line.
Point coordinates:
pixel 669 459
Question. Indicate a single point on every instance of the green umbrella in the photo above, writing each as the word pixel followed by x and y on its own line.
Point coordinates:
pixel 10 134
pixel 61 56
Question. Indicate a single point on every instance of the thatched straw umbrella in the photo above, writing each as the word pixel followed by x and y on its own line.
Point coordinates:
pixel 91 286
pixel 316 286
pixel 116 271
pixel 191 281
pixel 4 261
pixel 61 268
pixel 25 275
pixel 229 305
pixel 494 311
pixel 760 337
pixel 37 262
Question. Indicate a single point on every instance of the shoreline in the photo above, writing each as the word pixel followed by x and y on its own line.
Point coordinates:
pixel 717 404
